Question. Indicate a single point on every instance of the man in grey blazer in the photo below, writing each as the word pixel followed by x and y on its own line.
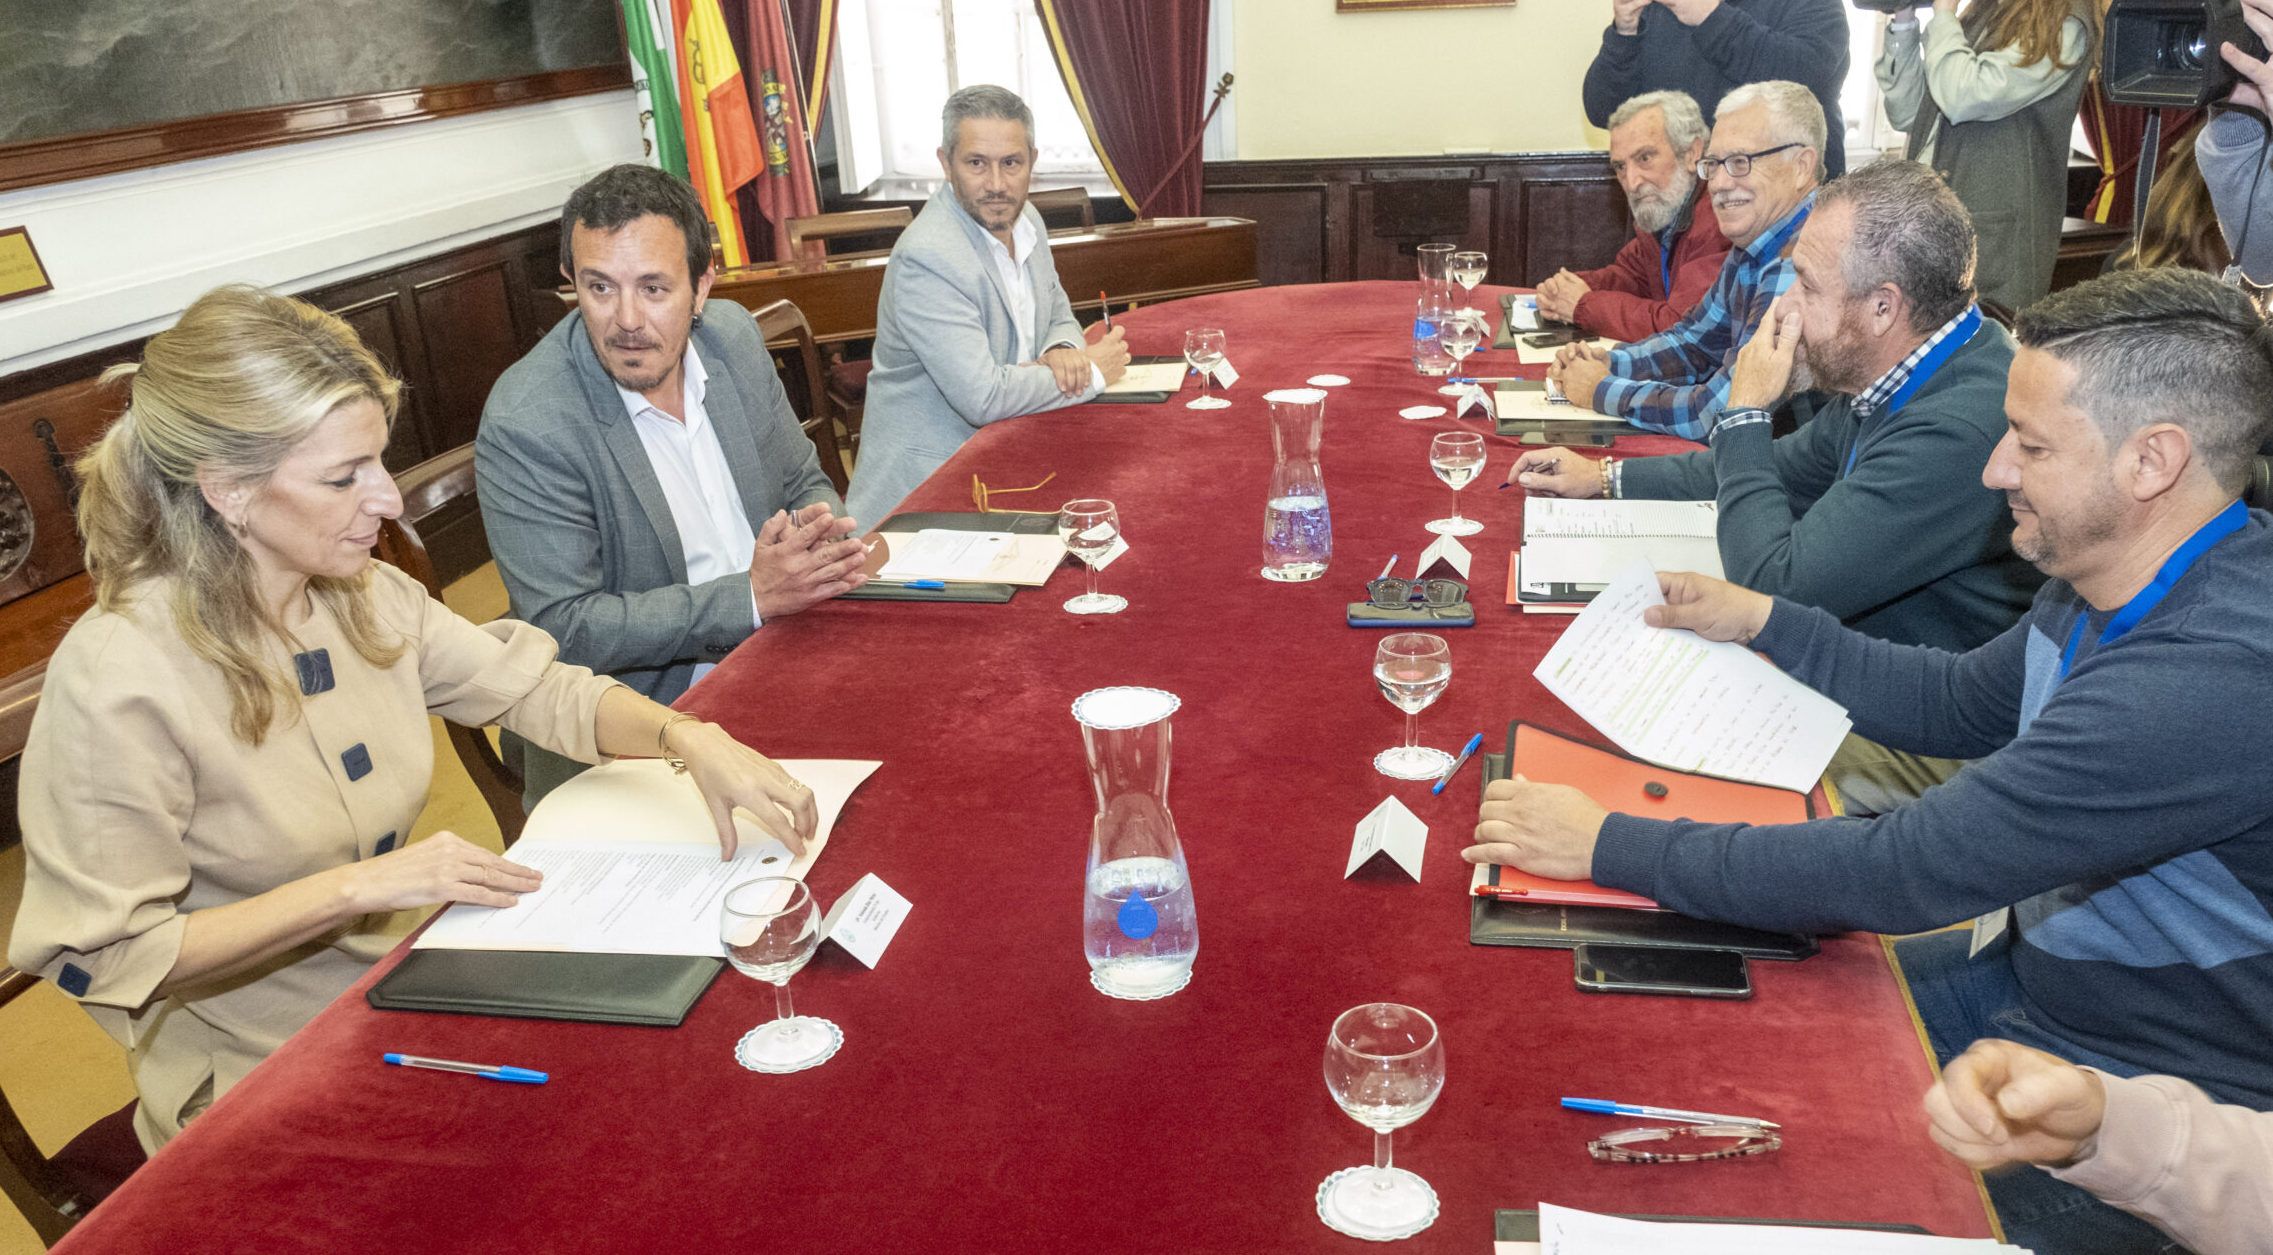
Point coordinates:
pixel 649 496
pixel 972 326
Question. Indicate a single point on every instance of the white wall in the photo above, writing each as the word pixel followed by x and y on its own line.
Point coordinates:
pixel 128 252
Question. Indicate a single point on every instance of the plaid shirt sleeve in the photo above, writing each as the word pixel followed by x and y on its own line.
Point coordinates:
pixel 1677 380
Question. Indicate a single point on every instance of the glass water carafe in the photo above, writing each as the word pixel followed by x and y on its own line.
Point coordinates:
pixel 1298 534
pixel 1137 924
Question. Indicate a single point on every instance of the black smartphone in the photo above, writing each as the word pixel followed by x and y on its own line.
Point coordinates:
pixel 1548 339
pixel 1614 969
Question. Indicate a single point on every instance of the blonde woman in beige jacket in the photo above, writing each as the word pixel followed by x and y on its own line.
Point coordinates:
pixel 232 746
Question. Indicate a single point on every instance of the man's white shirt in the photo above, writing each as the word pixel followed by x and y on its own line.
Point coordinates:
pixel 714 532
pixel 1010 265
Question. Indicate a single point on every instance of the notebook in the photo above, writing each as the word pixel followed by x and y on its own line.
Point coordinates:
pixel 1585 543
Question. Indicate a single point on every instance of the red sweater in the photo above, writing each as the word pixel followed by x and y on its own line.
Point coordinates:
pixel 1629 301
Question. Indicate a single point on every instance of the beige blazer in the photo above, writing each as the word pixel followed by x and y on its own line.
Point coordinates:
pixel 140 806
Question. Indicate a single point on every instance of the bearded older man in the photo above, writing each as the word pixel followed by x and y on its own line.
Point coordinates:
pixel 1665 270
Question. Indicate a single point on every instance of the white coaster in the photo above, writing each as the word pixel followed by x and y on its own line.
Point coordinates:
pixel 1344 1224
pixel 1327 381
pixel 746 1050
pixel 1421 411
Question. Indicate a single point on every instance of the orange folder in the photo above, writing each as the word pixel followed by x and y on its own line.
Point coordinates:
pixel 1625 784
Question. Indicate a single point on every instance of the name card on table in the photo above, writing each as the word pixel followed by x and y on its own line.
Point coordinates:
pixel 1223 373
pixel 1119 546
pixel 865 919
pixel 1447 550
pixel 1393 830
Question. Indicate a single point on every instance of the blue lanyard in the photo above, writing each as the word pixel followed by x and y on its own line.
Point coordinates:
pixel 2227 522
pixel 1665 261
pixel 1958 337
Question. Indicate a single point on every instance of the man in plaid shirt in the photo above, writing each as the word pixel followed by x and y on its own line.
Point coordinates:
pixel 1761 171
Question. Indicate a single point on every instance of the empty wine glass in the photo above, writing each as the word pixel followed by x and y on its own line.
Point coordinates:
pixel 1459 333
pixel 770 928
pixel 1457 457
pixel 1385 1067
pixel 1089 527
pixel 1203 350
pixel 1413 669
pixel 1468 269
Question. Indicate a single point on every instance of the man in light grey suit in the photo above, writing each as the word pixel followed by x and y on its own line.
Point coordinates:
pixel 972 326
pixel 648 494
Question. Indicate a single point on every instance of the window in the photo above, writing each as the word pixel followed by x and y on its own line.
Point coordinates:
pixel 898 61
pixel 1868 131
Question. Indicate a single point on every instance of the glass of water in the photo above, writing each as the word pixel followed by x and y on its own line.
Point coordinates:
pixel 1469 268
pixel 1203 351
pixel 1089 527
pixel 770 928
pixel 1459 333
pixel 1413 670
pixel 1385 1067
pixel 1457 457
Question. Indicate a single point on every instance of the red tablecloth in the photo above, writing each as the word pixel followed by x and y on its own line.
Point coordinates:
pixel 986 1097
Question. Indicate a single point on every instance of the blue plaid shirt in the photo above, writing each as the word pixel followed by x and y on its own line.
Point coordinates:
pixel 1676 380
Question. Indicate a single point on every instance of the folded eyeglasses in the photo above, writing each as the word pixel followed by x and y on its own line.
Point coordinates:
pixel 1391 593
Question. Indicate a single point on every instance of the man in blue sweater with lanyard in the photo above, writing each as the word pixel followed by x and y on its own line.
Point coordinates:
pixel 2115 840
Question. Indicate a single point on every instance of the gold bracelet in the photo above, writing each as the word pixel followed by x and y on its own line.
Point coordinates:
pixel 663 738
pixel 1604 467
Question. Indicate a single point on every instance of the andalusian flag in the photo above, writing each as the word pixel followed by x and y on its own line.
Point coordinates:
pixel 722 138
pixel 652 78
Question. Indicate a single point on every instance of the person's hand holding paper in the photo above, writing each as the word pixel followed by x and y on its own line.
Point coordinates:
pixel 1545 829
pixel 1714 609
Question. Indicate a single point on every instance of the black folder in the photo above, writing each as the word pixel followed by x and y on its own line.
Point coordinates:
pixel 955 521
pixel 1548 925
pixel 653 989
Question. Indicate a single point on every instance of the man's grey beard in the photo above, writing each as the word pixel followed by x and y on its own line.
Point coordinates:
pixel 1655 211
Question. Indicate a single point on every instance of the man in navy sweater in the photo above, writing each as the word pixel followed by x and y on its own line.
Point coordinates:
pixel 1709 48
pixel 2116 837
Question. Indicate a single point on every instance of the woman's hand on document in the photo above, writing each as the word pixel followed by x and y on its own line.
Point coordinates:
pixel 1714 609
pixel 1545 829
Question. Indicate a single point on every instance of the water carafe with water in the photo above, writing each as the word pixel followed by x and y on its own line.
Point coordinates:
pixel 1298 535
pixel 1137 923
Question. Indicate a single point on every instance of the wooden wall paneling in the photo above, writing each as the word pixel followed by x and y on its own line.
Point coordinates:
pixel 1291 230
pixel 1578 224
pixel 466 321
pixel 385 322
pixel 1393 212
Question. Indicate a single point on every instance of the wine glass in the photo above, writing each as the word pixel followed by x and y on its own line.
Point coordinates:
pixel 770 928
pixel 1089 527
pixel 1459 333
pixel 1413 669
pixel 1468 269
pixel 1203 350
pixel 1457 457
pixel 1385 1067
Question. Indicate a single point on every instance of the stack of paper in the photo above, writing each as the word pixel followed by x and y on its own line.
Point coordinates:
pixel 1676 699
pixel 1147 377
pixel 630 861
pixel 1572 548
pixel 1567 1231
pixel 974 557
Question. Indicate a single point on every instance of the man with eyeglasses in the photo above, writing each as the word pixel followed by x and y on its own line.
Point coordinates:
pixel 1709 48
pixel 1656 140
pixel 1760 170
pixel 2114 839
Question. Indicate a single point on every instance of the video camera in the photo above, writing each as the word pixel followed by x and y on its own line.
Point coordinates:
pixel 2164 53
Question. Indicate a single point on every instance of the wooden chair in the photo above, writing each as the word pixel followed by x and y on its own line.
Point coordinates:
pixel 1064 208
pixel 52 1191
pixel 784 327
pixel 427 489
pixel 883 223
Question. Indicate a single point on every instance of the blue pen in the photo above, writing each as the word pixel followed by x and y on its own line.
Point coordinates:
pixel 486 1071
pixel 1454 769
pixel 1604 1107
pixel 934 585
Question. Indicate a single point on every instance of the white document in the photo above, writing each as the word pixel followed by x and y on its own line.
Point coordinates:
pixel 865 919
pixel 1567 1231
pixel 1529 356
pixel 630 862
pixel 984 557
pixel 1539 405
pixel 1224 375
pixel 1445 549
pixel 1681 701
pixel 1523 312
pixel 1393 830
pixel 1585 542
pixel 1151 377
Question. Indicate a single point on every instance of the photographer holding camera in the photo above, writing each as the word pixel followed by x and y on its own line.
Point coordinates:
pixel 2232 153
pixel 1989 98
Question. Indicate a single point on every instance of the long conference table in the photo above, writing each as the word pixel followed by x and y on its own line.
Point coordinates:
pixel 987 1098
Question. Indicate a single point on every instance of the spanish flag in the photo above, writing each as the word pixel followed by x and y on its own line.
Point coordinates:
pixel 722 139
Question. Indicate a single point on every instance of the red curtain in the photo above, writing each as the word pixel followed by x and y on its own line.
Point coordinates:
pixel 1137 71
pixel 2116 133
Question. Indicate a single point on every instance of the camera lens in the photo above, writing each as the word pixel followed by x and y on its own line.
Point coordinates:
pixel 2185 45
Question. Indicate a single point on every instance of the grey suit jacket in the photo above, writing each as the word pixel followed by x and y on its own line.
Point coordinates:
pixel 946 357
pixel 578 522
